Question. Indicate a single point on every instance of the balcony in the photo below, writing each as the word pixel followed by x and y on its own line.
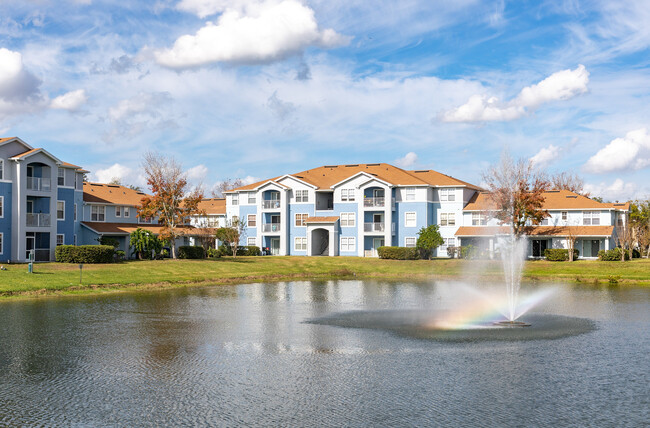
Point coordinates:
pixel 39 184
pixel 374 202
pixel 38 220
pixel 373 227
pixel 271 227
pixel 271 205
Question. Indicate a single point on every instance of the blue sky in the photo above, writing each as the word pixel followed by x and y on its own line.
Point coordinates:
pixel 259 88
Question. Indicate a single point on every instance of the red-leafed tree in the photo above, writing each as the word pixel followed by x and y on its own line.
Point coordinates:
pixel 516 192
pixel 172 201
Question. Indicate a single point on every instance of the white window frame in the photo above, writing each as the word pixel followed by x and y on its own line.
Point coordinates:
pixel 348 244
pixel 118 211
pixel 253 240
pixel 406 219
pixel 2 169
pixel 302 195
pixel 235 199
pixel 126 212
pixel 299 219
pixel 62 235
pixel 410 241
pixel 348 219
pixel 2 206
pixel 300 243
pixel 2 243
pixel 74 214
pixel 588 218
pixel 101 209
pixel 60 174
pixel 252 198
pixel 565 215
pixel 447 241
pixel 57 211
pixel 248 220
pixel 409 194
pixel 448 194
pixel 348 195
pixel 448 219
pixel 479 219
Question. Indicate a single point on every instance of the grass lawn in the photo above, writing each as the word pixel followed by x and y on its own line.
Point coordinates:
pixel 57 277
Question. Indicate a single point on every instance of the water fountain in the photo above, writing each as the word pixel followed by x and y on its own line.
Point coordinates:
pixel 512 251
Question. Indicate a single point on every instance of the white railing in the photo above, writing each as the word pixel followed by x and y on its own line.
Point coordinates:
pixel 373 227
pixel 40 184
pixel 374 202
pixel 38 220
pixel 271 227
pixel 274 204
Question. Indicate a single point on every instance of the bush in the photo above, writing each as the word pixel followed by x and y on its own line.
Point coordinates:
pixel 109 240
pixel 468 252
pixel 251 250
pixel 398 253
pixel 85 254
pixel 213 253
pixel 190 252
pixel 613 255
pixel 636 254
pixel 120 255
pixel 560 254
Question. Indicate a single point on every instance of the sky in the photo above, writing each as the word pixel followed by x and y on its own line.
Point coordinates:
pixel 253 89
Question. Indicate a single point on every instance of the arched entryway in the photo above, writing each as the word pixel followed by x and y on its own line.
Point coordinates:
pixel 320 242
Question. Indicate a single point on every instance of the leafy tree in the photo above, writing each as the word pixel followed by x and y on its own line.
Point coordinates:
pixel 516 193
pixel 232 234
pixel 144 243
pixel 109 240
pixel 640 224
pixel 428 240
pixel 172 201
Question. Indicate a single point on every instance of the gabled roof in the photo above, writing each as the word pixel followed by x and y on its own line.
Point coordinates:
pixel 324 177
pixel 32 152
pixel 112 194
pixel 126 228
pixel 213 206
pixel 10 139
pixel 553 200
pixel 478 231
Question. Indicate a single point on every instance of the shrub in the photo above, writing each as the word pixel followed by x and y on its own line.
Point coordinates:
pixel 636 254
pixel 468 252
pixel 190 252
pixel 85 254
pixel 109 240
pixel 613 255
pixel 120 255
pixel 251 250
pixel 398 253
pixel 213 253
pixel 560 254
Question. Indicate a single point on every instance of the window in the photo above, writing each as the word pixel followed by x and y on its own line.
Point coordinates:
pixel 118 211
pixel 235 199
pixel 97 213
pixel 448 194
pixel 61 177
pixel 590 218
pixel 147 220
pixel 126 212
pixel 565 215
pixel 252 221
pixel 347 195
pixel 544 221
pixel 448 242
pixel 409 242
pixel 1 243
pixel 251 242
pixel 74 214
pixel 348 244
pixel 300 244
pixel 251 198
pixel 302 196
pixel 348 219
pixel 410 219
pixel 301 220
pixel 59 239
pixel 479 219
pixel 2 206
pixel 2 169
pixel 60 210
pixel 410 193
pixel 447 219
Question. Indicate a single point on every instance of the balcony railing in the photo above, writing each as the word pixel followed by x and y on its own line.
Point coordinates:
pixel 374 202
pixel 373 227
pixel 38 220
pixel 274 204
pixel 40 184
pixel 271 227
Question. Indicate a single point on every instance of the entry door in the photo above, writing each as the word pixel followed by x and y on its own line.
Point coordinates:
pixel 275 223
pixel 30 243
pixel 275 246
pixel 595 247
pixel 378 193
pixel 376 243
pixel 377 220
pixel 539 246
pixel 30 207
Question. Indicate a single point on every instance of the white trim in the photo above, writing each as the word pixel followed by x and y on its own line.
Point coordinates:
pixel 303 241
pixel 18 140
pixel 62 235
pixel 297 179
pixel 98 206
pixel 58 175
pixel 303 219
pixel 302 197
pixel 365 174
pixel 50 155
pixel 415 218
pixel 350 244
pixel 118 211
pixel 2 243
pixel 248 220
pixel 251 239
pixel 126 211
pixel 57 211
pixel 406 238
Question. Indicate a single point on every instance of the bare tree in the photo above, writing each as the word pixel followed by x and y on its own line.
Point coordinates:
pixel 232 233
pixel 624 239
pixel 570 182
pixel 516 193
pixel 171 201
pixel 226 185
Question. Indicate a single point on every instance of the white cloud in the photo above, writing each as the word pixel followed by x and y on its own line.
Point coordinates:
pixel 408 160
pixel 258 33
pixel 126 175
pixel 203 8
pixel 629 152
pixel 70 101
pixel 561 85
pixel 617 191
pixel 546 155
pixel 197 173
pixel 19 89
pixel 140 113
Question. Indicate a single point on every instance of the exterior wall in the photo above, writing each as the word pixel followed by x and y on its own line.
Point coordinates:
pixel 66 226
pixel 298 231
pixel 5 220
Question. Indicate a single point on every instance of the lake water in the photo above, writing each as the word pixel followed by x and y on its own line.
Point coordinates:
pixel 244 355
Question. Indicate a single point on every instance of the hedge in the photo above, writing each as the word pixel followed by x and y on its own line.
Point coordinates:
pixel 398 253
pixel 190 252
pixel 560 254
pixel 245 250
pixel 613 255
pixel 85 254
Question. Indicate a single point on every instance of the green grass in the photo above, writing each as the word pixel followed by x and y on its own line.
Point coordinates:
pixel 56 277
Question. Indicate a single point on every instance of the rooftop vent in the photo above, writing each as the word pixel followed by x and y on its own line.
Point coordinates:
pixel 94 184
pixel 572 196
pixel 424 170
pixel 350 166
pixel 113 185
pixel 330 166
pixel 372 164
pixel 552 191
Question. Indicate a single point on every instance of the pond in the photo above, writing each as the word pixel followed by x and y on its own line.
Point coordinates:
pixel 245 355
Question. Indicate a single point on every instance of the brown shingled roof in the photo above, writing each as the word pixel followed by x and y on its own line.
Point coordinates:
pixel 213 206
pixel 112 194
pixel 436 178
pixel 553 200
pixel 470 231
pixel 127 228
pixel 327 219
